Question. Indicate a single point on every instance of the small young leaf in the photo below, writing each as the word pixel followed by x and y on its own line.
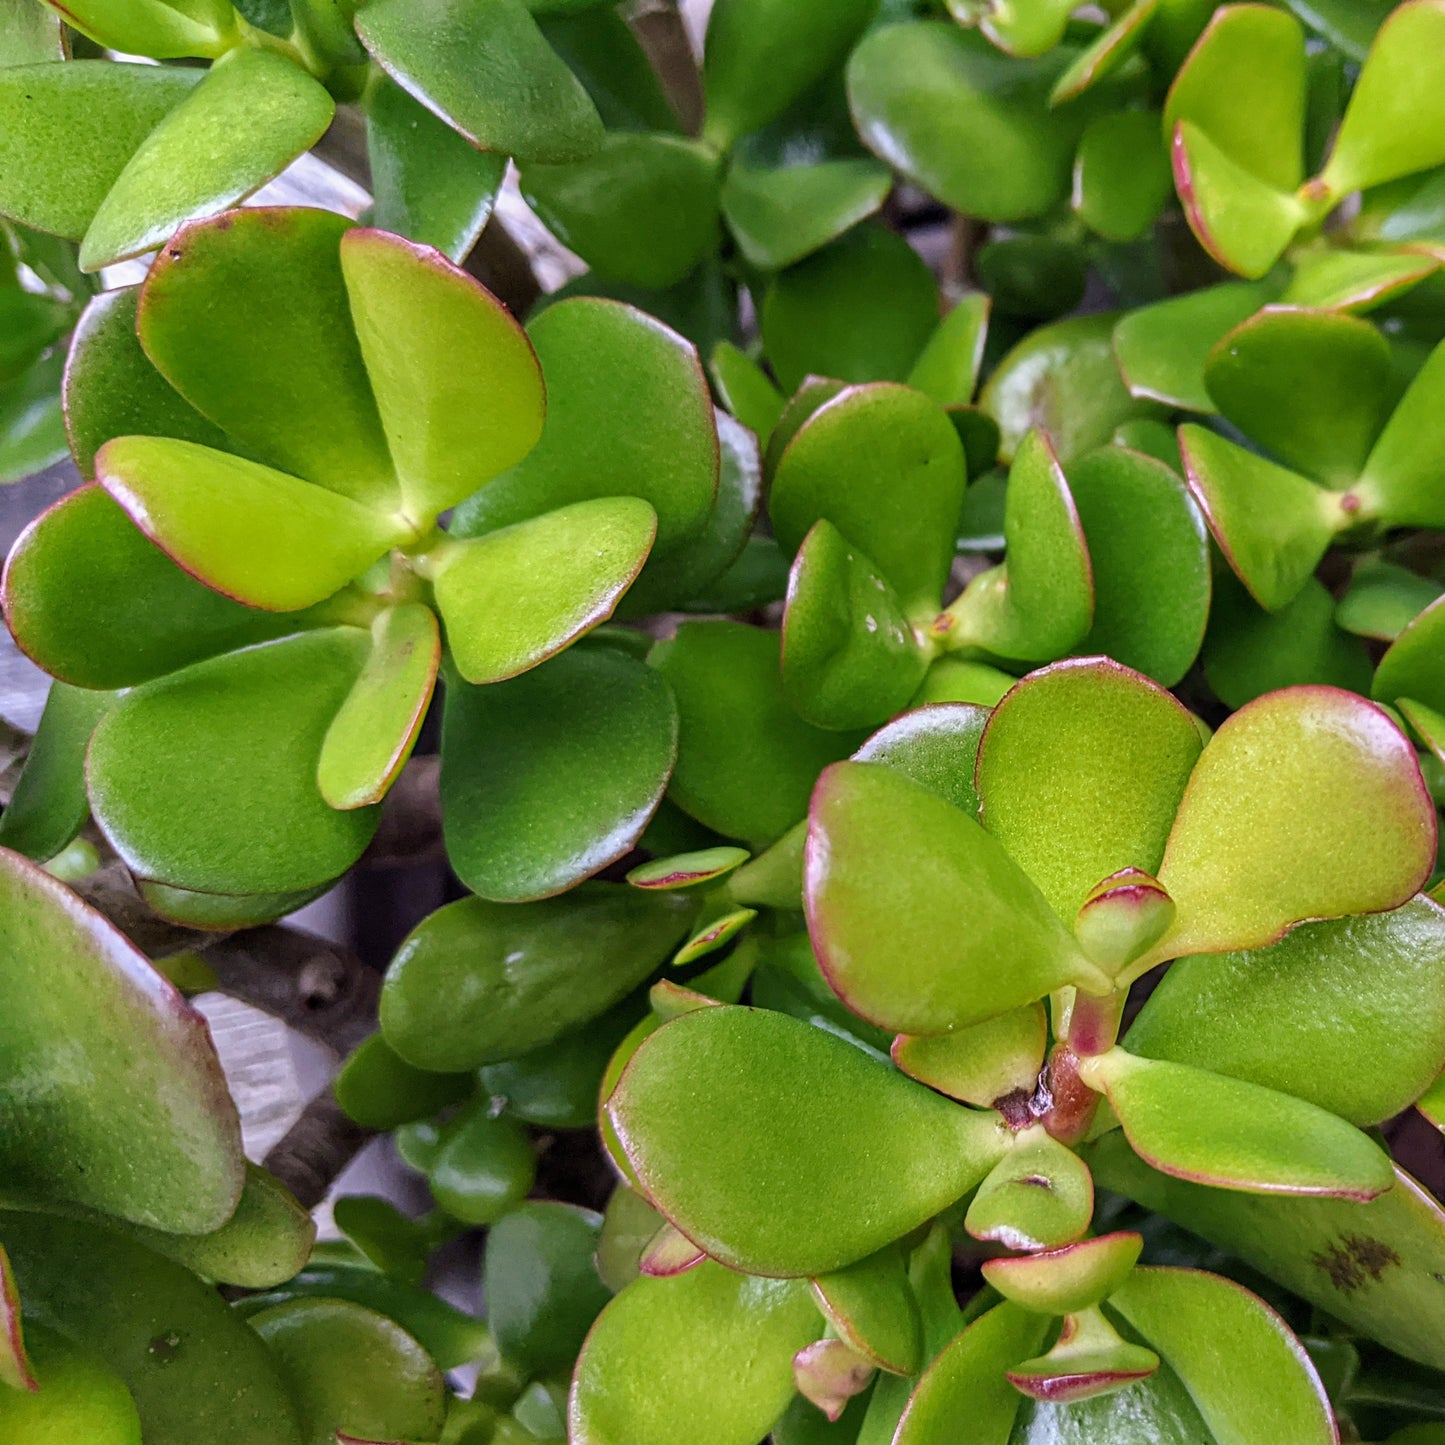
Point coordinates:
pixel 1087 1360
pixel 872 1307
pixel 1039 1196
pixel 983 1063
pixel 484 1167
pixel 1060 1281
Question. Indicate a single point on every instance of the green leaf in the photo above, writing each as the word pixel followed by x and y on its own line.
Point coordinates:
pixel 643 209
pixel 1038 1196
pixel 850 655
pixel 1040 602
pixel 1312 387
pixel 628 415
pixel 1411 666
pixel 872 1156
pixel 1249 652
pixel 745 389
pixel 478 982
pixel 704 1351
pixel 541 1283
pixel 713 934
pixel 1162 348
pixel 603 52
pixel 1062 380
pixel 31 324
pixel 1149 550
pixel 1033 277
pixel 457 384
pixel 890 868
pixel 1231 1134
pixel 253 534
pixel 96 604
pixel 66 1394
pixel 1260 1386
pixel 885 467
pixel 1113 45
pixel 947 370
pixel 114 1098
pixel 484 1167
pixel 871 1306
pixel 206 779
pixel 687 870
pixel 1244 87
pixel 1395 120
pixel 780 216
pixel 251 116
pixel 936 746
pixel 860 309
pixel 353 1369
pixel 116 1301
pixel 967 1381
pixel 1401 477
pixel 1356 1023
pixel 1383 599
pixel 1355 280
pixel 48 806
pixel 1060 1281
pixel 112 389
pixel 761 55
pixel 375 729
pixel 1121 178
pixel 155 27
pixel 1307 803
pixel 1087 1361
pixel 968 125
pixel 430 185
pixel 1019 29
pixel 1081 771
pixel 1271 524
pixel 551 776
pixel 533 107
pixel 32 427
pixel 68 129
pixel 1370 1265
pixel 379 1090
pixel 247 316
pixel 513 598
pixel 746 763
pixel 982 1063
pixel 30 33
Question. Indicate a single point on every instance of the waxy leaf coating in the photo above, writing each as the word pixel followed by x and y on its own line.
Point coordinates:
pixel 1059 1281
pixel 872 1307
pixel 851 1153
pixel 1038 1196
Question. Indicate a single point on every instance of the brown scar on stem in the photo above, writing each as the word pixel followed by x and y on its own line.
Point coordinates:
pixel 1354 1260
pixel 1015 1107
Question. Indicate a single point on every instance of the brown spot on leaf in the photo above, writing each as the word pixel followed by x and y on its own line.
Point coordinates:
pixel 1015 1108
pixel 1354 1260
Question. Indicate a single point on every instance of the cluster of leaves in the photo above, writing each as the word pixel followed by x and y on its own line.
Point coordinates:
pixel 945 782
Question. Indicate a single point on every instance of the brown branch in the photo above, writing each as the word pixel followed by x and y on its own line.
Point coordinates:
pixel 659 29
pixel 315 1149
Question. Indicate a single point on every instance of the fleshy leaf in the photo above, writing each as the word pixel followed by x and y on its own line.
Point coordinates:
pixel 983 1063
pixel 746 762
pixel 1040 601
pixel 1261 1385
pixel 1039 1196
pixel 479 982
pixel 532 107
pixel 1121 180
pixel 135 1082
pixel 247 316
pixel 669 1252
pixel 484 1166
pixel 935 746
pixel 687 870
pixel 1122 918
pixel 15 1369
pixel 1357 1025
pixel 1312 387
pixel 206 779
pixel 1409 672
pixel 885 467
pixel 967 1381
pixel 872 1307
pixel 351 1368
pixel 745 389
pixel 457 384
pixel 193 28
pixel 713 934
pixel 116 1301
pixel 551 776
pixel 379 1090
pixel 780 216
pixel 705 1157
pixel 628 414
pixel 1216 1130
pixel 643 210
pixel 967 125
pixel 373 732
pixel 708 1350
pixel 1383 599
pixel 1355 280
pixel 253 534
pixel 1162 348
pixel 69 128
pixel 248 119
pixel 1081 770
pixel 947 369
pixel 891 868
pixel 1060 1281
pixel 1401 476
pixel 1272 525
pixel 1307 803
pixel 861 309
pixel 515 597
pixel 1087 1360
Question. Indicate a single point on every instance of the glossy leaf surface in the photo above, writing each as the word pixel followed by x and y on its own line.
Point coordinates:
pixel 484 1167
pixel 1121 181
pixel 872 1307
pixel 550 776
pixel 1060 1281
pixel 1038 1196
pixel 981 1063
pixel 704 1158
pixel 780 216
pixel 935 746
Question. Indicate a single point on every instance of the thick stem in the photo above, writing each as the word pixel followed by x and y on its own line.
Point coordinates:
pixel 317 1147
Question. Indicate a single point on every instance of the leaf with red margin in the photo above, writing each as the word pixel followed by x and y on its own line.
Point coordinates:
pixel 871 1305
pixel 15 1368
pixel 1087 1360
pixel 1059 1281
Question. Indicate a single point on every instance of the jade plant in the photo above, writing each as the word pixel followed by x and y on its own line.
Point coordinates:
pixel 915 680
